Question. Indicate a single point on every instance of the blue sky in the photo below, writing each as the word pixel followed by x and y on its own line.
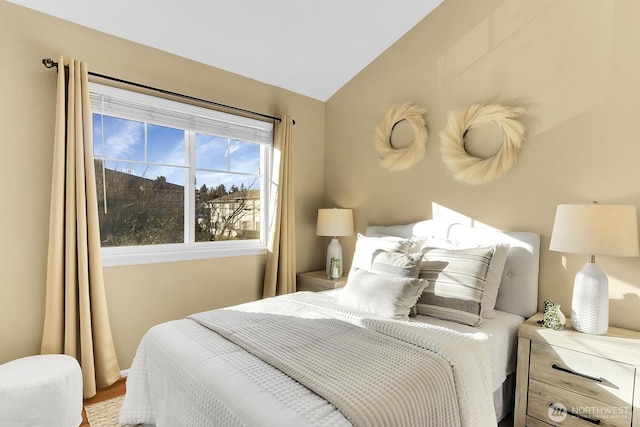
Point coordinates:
pixel 165 149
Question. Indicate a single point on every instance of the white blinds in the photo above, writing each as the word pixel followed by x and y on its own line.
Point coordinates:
pixel 150 109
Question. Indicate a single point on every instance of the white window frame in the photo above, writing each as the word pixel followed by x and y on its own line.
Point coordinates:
pixel 189 117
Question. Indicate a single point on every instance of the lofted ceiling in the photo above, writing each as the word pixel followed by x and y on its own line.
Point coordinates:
pixel 311 47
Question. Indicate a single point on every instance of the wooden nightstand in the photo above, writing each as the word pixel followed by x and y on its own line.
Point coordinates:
pixel 589 379
pixel 317 281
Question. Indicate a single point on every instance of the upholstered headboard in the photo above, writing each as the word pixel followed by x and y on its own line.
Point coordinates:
pixel 518 293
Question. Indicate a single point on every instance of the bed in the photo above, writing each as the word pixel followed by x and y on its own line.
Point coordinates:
pixel 360 355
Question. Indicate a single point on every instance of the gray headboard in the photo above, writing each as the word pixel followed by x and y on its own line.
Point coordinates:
pixel 518 292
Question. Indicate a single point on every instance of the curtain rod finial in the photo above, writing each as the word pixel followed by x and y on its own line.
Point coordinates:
pixel 49 63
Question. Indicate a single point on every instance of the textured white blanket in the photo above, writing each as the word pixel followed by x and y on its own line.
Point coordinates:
pixel 376 371
pixel 373 379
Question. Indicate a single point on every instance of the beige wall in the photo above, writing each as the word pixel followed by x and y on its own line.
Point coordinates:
pixel 573 65
pixel 140 296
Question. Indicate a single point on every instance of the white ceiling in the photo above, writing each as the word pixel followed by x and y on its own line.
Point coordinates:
pixel 312 47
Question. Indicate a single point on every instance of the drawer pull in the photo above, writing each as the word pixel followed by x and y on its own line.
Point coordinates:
pixel 572 372
pixel 595 421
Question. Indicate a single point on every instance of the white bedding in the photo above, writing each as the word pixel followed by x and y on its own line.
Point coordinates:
pixel 502 339
pixel 502 336
pixel 185 374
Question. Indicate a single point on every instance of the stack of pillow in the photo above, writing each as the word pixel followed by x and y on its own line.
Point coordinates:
pixel 394 277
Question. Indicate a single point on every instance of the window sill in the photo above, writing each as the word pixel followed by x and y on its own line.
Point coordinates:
pixel 134 255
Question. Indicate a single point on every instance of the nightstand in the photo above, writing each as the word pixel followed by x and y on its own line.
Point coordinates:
pixel 317 281
pixel 570 378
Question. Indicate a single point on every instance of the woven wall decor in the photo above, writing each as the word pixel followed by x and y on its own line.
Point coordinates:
pixel 478 170
pixel 396 159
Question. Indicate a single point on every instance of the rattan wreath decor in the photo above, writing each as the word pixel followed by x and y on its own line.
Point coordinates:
pixel 396 159
pixel 473 170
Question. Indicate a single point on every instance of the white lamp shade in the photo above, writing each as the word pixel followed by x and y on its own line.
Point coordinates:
pixel 335 222
pixel 595 230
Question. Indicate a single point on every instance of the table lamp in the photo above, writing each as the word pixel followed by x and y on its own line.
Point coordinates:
pixel 334 222
pixel 594 230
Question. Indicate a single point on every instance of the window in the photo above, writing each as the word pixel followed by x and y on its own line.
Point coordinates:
pixel 176 181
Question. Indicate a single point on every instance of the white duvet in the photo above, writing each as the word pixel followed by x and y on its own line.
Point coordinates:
pixel 185 374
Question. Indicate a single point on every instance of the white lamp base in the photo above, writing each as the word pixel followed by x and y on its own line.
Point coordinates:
pixel 590 304
pixel 334 250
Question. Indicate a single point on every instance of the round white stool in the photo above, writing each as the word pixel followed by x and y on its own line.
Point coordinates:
pixel 42 390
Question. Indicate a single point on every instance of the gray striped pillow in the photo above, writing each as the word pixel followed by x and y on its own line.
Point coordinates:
pixel 457 279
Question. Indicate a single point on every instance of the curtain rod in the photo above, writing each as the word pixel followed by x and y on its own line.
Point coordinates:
pixel 50 63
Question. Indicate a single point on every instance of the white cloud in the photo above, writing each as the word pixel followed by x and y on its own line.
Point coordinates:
pixel 124 140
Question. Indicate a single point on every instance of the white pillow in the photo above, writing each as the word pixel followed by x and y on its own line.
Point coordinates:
pixel 383 295
pixel 396 263
pixel 494 274
pixel 417 242
pixel 368 247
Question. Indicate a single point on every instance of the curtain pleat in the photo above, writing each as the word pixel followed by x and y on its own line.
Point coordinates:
pixel 280 269
pixel 76 320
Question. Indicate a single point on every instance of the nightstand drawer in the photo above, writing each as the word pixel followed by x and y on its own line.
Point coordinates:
pixel 581 411
pixel 601 379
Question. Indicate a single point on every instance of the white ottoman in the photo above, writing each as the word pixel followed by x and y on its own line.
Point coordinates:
pixel 43 390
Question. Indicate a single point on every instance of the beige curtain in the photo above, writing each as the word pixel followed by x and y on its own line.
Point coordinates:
pixel 280 270
pixel 76 321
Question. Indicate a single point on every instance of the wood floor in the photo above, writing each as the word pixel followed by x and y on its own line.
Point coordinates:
pixel 117 389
